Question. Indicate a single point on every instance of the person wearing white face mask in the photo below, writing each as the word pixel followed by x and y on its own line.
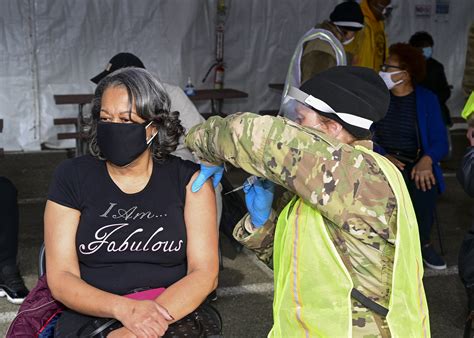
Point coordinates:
pixel 370 47
pixel 435 79
pixel 323 46
pixel 412 135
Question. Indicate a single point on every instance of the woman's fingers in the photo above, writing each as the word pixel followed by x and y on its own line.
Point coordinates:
pixel 164 312
pixel 152 328
pixel 147 319
pixel 397 163
pixel 424 180
pixel 413 175
pixel 161 324
pixel 157 329
pixel 400 164
pixel 140 331
pixel 420 182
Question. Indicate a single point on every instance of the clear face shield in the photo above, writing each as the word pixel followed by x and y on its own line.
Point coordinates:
pixel 296 98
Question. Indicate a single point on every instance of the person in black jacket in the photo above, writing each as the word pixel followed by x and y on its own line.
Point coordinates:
pixel 465 174
pixel 435 79
pixel 12 285
pixel 465 177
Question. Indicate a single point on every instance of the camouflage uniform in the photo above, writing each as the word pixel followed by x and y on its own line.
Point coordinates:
pixel 345 184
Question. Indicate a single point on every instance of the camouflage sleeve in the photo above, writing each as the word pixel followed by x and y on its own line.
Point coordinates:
pixel 344 183
pixel 259 240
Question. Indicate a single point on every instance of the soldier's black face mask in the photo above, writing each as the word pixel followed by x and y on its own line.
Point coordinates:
pixel 122 143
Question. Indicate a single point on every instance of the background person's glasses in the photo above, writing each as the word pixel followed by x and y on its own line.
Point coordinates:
pixel 385 67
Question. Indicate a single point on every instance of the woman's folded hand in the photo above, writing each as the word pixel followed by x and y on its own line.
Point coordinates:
pixel 144 318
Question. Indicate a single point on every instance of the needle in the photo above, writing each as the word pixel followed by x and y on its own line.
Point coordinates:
pixel 249 181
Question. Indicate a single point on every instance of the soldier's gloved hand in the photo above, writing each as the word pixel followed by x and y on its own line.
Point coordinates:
pixel 259 198
pixel 207 171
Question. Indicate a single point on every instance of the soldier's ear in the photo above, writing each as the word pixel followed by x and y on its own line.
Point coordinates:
pixel 334 128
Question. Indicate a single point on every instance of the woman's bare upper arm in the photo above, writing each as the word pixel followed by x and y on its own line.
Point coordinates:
pixel 60 227
pixel 201 227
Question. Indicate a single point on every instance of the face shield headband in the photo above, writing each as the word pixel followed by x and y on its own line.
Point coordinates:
pixel 297 95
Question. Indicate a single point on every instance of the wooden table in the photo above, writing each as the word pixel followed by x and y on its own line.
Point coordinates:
pixel 218 95
pixel 276 86
pixel 81 100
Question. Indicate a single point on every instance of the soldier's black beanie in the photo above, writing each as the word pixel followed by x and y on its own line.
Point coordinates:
pixel 348 15
pixel 351 93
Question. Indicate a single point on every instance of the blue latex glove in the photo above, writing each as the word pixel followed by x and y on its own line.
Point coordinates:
pixel 208 171
pixel 259 198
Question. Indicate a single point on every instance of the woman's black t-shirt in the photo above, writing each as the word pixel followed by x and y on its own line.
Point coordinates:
pixel 126 241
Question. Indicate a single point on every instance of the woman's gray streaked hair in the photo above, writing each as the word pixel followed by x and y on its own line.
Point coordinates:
pixel 152 104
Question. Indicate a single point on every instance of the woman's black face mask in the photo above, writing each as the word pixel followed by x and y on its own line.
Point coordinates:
pixel 122 143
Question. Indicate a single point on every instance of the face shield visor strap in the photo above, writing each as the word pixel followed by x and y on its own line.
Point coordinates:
pixel 296 95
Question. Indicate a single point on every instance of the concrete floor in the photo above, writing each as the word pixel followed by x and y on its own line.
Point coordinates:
pixel 245 288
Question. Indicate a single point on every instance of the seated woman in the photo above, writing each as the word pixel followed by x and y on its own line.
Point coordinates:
pixel 123 217
pixel 414 138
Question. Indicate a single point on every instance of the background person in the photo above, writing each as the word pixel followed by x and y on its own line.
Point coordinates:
pixel 322 47
pixel 414 138
pixel 468 75
pixel 435 78
pixel 466 171
pixel 370 47
pixel 123 217
pixel 12 285
pixel 318 54
pixel 465 177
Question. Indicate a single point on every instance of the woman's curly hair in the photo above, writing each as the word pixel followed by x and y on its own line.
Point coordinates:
pixel 152 104
pixel 411 59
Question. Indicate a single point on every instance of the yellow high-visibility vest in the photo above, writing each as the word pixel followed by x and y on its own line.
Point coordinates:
pixel 468 109
pixel 313 286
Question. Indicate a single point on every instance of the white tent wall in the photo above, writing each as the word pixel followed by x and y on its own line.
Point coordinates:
pixel 52 47
pixel 18 92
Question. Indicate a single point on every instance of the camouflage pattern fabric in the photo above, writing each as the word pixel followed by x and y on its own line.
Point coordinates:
pixel 346 185
pixel 260 240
